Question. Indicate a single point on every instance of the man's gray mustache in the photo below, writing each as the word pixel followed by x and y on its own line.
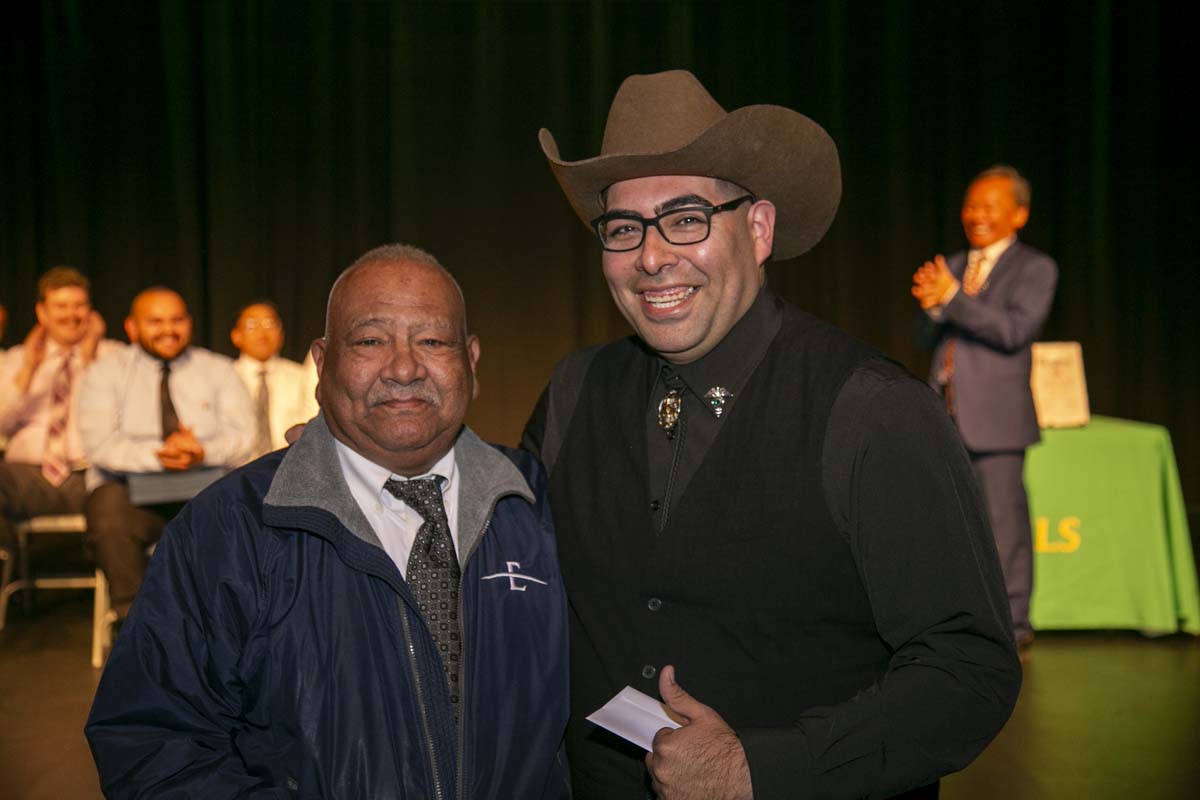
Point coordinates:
pixel 418 391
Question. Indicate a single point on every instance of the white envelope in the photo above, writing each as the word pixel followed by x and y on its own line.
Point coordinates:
pixel 633 716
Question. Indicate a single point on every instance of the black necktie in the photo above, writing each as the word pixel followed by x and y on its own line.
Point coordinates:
pixel 433 573
pixel 170 420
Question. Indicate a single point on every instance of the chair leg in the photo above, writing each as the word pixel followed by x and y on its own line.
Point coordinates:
pixel 6 570
pixel 101 624
pixel 23 573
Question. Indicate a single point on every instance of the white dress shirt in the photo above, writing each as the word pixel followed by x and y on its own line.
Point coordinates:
pixel 120 418
pixel 25 418
pixel 394 522
pixel 291 388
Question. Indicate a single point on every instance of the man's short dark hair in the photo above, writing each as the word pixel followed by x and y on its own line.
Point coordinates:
pixel 61 278
pixel 728 186
pixel 1022 192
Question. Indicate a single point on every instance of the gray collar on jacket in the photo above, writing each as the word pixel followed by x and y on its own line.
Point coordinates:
pixel 310 475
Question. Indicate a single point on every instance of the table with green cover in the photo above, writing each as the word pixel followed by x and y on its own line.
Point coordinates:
pixel 1111 542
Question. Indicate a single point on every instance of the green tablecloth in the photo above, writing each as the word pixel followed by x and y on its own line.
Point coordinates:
pixel 1111 544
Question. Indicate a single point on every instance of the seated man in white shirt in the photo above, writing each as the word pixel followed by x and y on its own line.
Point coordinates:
pixel 160 405
pixel 284 391
pixel 43 467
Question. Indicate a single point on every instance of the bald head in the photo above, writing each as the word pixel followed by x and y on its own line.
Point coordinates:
pixel 394 254
pixel 159 322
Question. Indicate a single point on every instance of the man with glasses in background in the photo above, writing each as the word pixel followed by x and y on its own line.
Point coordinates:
pixel 284 391
pixel 743 495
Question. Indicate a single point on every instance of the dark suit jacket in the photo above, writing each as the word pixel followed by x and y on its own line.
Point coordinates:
pixel 995 328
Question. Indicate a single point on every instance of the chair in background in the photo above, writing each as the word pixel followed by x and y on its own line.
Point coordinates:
pixel 102 615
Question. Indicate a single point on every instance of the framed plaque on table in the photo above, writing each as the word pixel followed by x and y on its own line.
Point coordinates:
pixel 1059 386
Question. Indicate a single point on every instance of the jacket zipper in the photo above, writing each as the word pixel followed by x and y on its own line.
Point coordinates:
pixel 412 659
pixel 462 678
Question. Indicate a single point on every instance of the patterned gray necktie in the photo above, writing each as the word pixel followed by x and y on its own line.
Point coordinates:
pixel 433 573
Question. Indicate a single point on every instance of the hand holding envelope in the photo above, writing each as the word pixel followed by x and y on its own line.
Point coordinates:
pixel 694 754
pixel 633 716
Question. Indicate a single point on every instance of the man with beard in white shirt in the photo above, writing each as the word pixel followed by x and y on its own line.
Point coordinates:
pixel 161 405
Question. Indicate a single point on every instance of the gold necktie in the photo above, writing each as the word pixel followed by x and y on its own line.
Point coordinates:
pixel 972 280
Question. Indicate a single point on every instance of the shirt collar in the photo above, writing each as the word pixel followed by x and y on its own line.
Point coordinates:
pixel 176 362
pixel 994 250
pixel 54 349
pixel 366 478
pixel 735 357
pixel 253 365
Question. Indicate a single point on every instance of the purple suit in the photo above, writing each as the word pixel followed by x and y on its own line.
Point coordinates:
pixel 993 403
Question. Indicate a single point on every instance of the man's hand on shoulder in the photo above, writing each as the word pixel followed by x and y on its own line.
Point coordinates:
pixel 34 353
pixel 92 336
pixel 293 433
pixel 703 760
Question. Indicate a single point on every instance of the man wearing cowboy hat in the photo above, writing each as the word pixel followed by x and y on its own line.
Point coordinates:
pixel 733 489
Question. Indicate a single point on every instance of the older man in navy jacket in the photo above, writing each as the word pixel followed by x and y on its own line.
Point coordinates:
pixel 983 309
pixel 375 612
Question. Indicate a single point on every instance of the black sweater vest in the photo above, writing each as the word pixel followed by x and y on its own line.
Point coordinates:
pixel 751 591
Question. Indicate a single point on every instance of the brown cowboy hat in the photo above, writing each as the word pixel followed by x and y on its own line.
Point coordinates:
pixel 668 124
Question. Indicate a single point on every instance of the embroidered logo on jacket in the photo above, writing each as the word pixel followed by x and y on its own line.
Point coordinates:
pixel 513 577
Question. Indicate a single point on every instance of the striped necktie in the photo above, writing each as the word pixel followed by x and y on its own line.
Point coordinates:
pixel 55 466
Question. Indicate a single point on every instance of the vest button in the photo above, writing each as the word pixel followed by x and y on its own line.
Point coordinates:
pixel 654 604
pixel 655 506
pixel 648 671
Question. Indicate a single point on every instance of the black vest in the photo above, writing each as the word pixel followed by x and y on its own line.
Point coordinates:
pixel 751 591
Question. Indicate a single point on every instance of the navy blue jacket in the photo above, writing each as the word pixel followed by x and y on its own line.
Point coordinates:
pixel 274 649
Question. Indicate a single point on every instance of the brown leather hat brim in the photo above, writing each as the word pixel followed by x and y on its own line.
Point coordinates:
pixel 774 152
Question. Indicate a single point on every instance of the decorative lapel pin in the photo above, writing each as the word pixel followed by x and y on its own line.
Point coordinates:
pixel 716 397
pixel 668 412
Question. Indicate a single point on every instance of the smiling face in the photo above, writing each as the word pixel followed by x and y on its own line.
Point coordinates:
pixel 159 321
pixel 64 314
pixel 396 366
pixel 990 211
pixel 258 332
pixel 683 299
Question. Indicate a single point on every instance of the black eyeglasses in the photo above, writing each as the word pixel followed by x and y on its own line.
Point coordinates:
pixel 620 233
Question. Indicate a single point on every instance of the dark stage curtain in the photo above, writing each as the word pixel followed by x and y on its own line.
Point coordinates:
pixel 237 150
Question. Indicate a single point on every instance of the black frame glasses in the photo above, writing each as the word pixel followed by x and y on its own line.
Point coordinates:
pixel 599 223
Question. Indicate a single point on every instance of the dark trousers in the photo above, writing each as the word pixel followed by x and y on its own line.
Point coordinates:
pixel 118 534
pixel 1001 476
pixel 25 493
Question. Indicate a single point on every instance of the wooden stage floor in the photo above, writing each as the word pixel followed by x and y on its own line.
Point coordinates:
pixel 1101 715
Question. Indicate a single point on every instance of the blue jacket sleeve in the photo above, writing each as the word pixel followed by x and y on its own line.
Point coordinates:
pixel 167 713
